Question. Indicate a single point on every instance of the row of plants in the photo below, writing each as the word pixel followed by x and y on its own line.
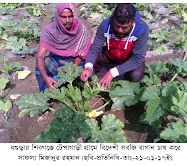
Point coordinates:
pixel 161 100
pixel 7 69
pixel 101 11
pixel 17 33
pixel 75 120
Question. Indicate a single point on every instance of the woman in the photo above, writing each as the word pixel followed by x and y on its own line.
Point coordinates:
pixel 66 39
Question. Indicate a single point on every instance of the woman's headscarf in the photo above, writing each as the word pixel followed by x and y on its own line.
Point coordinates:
pixel 58 40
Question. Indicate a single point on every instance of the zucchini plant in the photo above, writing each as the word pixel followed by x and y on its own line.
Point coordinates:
pixel 9 67
pixel 5 105
pixel 17 33
pixel 73 121
pixel 160 100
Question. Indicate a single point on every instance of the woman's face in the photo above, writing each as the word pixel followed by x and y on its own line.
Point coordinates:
pixel 67 18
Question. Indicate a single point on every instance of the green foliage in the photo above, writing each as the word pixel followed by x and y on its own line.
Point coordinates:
pixel 176 132
pixel 15 44
pixel 156 68
pixel 5 106
pixel 9 68
pixel 3 82
pixel 52 11
pixel 69 73
pixel 110 132
pixel 18 33
pixel 165 100
pixel 179 64
pixel 8 7
pixel 145 10
pixel 33 103
pixel 21 29
pixel 89 91
pixel 69 95
pixel 180 107
pixel 25 51
pixel 161 50
pixel 125 94
pixel 69 126
pixel 96 10
pixel 65 128
pixel 161 35
pixel 71 122
pixel 182 38
pixel 35 9
pixel 165 36
pixel 12 5
pixel 152 79
pixel 179 8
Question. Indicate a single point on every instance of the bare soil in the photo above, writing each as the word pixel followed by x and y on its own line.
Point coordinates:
pixel 24 130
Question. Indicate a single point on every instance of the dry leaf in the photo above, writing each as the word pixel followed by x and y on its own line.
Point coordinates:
pixel 14 96
pixel 23 74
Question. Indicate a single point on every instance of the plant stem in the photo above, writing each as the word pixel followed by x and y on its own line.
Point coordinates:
pixel 185 56
pixel 178 73
pixel 103 105
pixel 98 101
pixel 174 77
pixel 52 109
pixel 69 106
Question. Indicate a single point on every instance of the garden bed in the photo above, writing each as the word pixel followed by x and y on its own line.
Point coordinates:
pixel 25 129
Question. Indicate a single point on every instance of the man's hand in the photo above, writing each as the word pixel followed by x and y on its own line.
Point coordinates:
pixel 50 82
pixel 85 74
pixel 106 80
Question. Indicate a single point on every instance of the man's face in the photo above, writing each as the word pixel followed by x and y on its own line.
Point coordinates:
pixel 122 30
pixel 67 18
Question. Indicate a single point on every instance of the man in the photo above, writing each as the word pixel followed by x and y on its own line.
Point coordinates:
pixel 126 36
pixel 66 39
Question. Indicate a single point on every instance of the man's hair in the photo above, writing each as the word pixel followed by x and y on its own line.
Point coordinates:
pixel 124 13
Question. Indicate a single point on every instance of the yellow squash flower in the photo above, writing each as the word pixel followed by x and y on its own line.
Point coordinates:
pixel 94 114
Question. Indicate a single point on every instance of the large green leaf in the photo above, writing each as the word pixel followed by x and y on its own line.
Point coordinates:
pixel 180 65
pixel 161 35
pixel 176 133
pixel 161 50
pixel 65 128
pixel 150 93
pixel 7 68
pixel 3 82
pixel 88 92
pixel 156 68
pixel 180 105
pixel 58 94
pixel 152 80
pixel 69 73
pixel 33 103
pixel 183 86
pixel 153 113
pixel 75 94
pixel 167 94
pixel 124 93
pixel 15 44
pixel 110 132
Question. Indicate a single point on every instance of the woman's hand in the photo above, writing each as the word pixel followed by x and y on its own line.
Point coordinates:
pixel 50 82
pixel 85 74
